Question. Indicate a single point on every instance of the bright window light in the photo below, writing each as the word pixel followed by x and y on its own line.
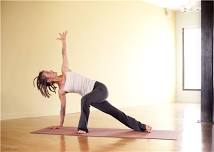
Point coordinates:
pixel 191 58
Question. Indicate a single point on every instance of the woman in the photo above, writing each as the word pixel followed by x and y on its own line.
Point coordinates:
pixel 93 94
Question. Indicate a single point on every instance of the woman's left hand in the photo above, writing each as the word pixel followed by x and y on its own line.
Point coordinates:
pixel 55 127
pixel 62 36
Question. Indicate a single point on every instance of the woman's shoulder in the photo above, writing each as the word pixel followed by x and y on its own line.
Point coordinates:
pixel 69 71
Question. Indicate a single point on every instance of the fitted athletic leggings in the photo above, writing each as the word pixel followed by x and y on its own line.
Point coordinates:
pixel 97 98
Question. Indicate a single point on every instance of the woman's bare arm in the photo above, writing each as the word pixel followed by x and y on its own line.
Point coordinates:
pixel 63 108
pixel 62 97
pixel 62 38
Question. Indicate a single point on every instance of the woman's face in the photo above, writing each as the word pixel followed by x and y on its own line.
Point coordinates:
pixel 49 74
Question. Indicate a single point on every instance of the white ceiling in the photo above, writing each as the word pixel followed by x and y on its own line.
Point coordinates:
pixel 178 5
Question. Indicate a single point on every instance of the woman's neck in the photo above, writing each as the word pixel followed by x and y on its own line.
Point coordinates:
pixel 59 80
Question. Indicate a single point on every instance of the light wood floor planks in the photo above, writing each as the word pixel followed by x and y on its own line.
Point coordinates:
pixel 193 136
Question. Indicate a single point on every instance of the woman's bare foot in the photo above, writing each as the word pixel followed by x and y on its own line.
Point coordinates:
pixel 148 128
pixel 81 132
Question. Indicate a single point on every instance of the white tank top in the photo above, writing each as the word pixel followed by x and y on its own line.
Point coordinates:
pixel 76 83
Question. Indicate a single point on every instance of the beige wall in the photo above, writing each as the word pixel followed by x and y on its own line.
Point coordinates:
pixel 0 62
pixel 184 20
pixel 129 46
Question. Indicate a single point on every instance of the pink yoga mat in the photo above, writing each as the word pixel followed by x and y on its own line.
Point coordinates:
pixel 110 132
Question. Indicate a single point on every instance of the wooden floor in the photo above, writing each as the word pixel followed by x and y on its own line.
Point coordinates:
pixel 193 136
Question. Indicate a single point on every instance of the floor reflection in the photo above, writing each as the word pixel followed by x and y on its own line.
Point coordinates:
pixel 193 135
pixel 207 130
pixel 62 144
pixel 84 144
pixel 197 137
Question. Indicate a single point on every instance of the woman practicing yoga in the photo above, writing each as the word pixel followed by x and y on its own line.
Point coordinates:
pixel 93 93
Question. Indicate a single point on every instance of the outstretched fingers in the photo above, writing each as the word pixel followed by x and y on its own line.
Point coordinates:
pixel 62 36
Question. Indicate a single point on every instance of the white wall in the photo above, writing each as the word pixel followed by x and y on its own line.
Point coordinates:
pixel 183 20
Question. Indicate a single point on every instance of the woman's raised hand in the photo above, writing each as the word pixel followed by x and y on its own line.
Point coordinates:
pixel 62 36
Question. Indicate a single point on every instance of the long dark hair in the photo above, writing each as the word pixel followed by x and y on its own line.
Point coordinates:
pixel 43 85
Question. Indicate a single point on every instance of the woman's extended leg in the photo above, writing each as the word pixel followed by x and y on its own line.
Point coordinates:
pixel 97 99
pixel 130 122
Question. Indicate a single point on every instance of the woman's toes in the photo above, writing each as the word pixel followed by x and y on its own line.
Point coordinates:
pixel 81 132
pixel 148 128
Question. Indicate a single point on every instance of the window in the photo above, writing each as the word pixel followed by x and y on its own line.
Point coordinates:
pixel 191 58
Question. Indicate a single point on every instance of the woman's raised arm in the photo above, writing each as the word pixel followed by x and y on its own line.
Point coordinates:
pixel 62 37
